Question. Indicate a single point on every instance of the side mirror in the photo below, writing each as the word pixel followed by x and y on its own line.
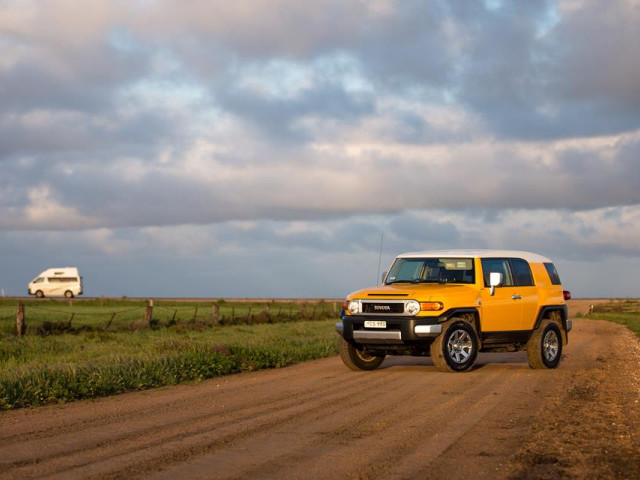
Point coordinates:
pixel 384 274
pixel 495 280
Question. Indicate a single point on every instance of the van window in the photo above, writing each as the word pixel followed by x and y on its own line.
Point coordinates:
pixel 63 279
pixel 39 280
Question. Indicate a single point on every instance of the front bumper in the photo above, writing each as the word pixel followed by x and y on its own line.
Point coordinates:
pixel 399 329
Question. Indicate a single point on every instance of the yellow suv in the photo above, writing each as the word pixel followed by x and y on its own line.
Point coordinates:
pixel 452 304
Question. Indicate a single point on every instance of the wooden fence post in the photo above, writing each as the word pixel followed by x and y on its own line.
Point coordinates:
pixel 303 310
pixel 195 315
pixel 148 313
pixel 215 316
pixel 21 324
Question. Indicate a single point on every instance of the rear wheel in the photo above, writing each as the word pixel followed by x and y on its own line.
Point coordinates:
pixel 456 348
pixel 357 359
pixel 544 348
pixel 39 294
pixel 68 294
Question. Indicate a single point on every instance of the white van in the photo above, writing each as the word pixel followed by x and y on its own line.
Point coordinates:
pixel 57 281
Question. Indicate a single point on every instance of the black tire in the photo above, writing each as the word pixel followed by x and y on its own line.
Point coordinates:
pixel 356 359
pixel 544 348
pixel 68 294
pixel 39 294
pixel 456 348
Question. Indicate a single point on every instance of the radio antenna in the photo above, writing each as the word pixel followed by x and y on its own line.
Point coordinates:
pixel 380 257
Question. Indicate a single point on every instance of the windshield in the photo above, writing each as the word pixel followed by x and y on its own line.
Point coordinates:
pixel 431 270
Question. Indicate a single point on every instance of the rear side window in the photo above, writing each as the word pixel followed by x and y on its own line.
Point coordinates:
pixel 553 273
pixel 521 272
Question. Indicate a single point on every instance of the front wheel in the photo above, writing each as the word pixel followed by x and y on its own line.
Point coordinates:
pixel 39 294
pixel 456 348
pixel 356 359
pixel 544 348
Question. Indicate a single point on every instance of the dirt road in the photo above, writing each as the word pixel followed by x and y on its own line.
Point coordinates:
pixel 320 420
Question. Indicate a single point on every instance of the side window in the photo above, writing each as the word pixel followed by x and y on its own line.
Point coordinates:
pixel 521 272
pixel 497 265
pixel 39 280
pixel 553 273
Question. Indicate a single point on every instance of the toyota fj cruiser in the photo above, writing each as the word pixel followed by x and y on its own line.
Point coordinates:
pixel 452 304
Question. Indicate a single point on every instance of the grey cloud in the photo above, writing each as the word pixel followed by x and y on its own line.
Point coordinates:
pixel 423 232
pixel 579 79
pixel 577 180
pixel 276 116
pixel 272 259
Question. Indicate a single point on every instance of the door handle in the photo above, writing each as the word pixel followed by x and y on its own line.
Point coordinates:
pixel 516 297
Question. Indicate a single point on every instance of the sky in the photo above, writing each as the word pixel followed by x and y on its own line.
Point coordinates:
pixel 267 148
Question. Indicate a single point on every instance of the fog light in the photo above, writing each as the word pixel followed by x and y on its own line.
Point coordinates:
pixel 431 306
pixel 412 307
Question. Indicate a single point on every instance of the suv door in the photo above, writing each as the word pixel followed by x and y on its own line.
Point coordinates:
pixel 526 289
pixel 502 311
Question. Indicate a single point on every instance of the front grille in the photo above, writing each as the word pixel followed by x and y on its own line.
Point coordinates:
pixel 382 307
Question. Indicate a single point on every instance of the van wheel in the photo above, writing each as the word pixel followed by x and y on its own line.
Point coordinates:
pixel 68 294
pixel 544 348
pixel 456 348
pixel 356 359
pixel 39 294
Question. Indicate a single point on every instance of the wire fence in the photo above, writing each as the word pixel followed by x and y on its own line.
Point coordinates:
pixel 33 318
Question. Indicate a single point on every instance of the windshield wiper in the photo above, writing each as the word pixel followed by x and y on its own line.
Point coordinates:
pixel 423 280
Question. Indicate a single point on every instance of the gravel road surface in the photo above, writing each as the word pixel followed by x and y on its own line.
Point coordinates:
pixel 320 420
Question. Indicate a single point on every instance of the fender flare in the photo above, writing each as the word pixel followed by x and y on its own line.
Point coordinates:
pixel 553 308
pixel 455 312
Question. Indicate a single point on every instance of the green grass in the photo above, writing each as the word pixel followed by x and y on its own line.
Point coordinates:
pixel 631 320
pixel 36 370
pixel 56 316
pixel 624 312
pixel 81 348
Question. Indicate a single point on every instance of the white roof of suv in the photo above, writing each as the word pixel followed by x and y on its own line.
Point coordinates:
pixel 478 253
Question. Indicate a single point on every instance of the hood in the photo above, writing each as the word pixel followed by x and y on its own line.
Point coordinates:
pixel 409 290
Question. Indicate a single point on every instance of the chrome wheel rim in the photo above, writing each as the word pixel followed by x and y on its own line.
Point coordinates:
pixel 550 346
pixel 460 346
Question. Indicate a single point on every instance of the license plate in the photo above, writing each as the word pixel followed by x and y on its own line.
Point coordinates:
pixel 375 324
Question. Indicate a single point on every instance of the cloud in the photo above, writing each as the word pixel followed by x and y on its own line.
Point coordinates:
pixel 156 130
pixel 322 258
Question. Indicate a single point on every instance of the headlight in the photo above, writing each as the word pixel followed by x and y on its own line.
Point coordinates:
pixel 354 306
pixel 412 307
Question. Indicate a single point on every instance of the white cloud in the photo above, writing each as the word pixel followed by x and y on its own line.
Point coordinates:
pixel 259 128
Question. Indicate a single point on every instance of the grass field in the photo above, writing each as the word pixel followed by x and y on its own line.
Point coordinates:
pixel 51 316
pixel 625 312
pixel 68 353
